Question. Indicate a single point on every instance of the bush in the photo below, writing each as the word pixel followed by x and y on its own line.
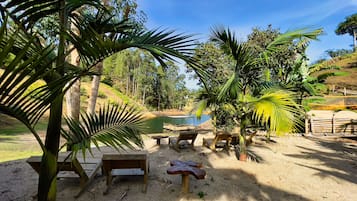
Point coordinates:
pixel 306 102
pixel 108 81
pixel 321 88
pixel 102 95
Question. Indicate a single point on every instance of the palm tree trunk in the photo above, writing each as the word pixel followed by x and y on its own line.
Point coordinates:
pixel 48 171
pixel 47 187
pixel 94 89
pixel 242 139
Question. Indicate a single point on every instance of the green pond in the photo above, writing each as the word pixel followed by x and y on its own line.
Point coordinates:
pixel 156 124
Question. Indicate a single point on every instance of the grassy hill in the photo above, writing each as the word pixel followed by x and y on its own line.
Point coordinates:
pixel 344 68
pixel 16 142
pixel 106 95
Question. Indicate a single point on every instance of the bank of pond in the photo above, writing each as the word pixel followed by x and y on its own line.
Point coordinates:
pixel 156 124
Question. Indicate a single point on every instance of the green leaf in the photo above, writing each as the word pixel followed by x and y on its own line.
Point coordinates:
pixel 115 126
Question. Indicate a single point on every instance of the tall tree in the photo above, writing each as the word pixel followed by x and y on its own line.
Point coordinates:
pixel 349 26
pixel 122 10
pixel 49 64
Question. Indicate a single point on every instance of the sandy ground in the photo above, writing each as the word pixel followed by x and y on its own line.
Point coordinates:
pixel 292 168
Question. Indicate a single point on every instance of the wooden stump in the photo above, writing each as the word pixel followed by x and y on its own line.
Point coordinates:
pixel 185 168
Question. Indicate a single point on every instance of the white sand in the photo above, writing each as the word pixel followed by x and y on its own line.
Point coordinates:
pixel 293 168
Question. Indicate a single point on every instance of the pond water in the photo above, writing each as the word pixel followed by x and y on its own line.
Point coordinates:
pixel 156 124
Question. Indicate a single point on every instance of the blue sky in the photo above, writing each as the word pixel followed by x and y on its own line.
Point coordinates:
pixel 199 16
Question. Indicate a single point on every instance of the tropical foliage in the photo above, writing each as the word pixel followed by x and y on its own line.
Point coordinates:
pixel 246 95
pixel 34 61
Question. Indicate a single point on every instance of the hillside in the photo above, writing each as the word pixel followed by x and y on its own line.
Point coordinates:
pixel 346 68
pixel 106 95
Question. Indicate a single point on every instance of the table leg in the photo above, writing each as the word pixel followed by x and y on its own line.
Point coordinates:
pixel 185 183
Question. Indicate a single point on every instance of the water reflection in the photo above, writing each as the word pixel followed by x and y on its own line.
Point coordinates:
pixel 155 125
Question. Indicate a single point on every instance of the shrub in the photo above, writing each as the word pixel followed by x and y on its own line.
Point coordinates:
pixel 102 95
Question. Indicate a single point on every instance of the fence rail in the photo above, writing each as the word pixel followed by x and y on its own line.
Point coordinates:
pixel 330 125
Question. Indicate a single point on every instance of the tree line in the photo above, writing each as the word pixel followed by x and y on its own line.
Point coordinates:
pixel 136 73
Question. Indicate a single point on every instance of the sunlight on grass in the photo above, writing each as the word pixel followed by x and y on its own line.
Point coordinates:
pixel 11 148
pixel 16 155
pixel 16 142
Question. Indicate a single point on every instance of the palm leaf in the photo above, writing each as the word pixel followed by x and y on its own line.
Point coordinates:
pixel 277 110
pixel 231 88
pixel 26 13
pixel 115 126
pixel 93 46
pixel 30 63
pixel 301 36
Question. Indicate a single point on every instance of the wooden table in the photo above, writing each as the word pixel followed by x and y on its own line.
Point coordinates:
pixel 158 138
pixel 126 160
pixel 185 168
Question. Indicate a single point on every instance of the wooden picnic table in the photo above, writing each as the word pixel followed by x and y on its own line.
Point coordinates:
pixel 125 160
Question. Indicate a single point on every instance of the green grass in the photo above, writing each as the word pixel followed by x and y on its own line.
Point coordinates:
pixel 341 73
pixel 14 148
pixel 18 128
pixel 16 142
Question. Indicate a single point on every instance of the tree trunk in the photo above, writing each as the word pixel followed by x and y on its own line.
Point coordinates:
pixel 354 40
pixel 144 93
pixel 73 95
pixel 73 100
pixel 94 89
pixel 242 139
pixel 47 185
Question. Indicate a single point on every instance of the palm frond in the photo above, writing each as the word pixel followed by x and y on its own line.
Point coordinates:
pixel 115 126
pixel 231 88
pixel 303 37
pixel 30 63
pixel 201 106
pixel 26 13
pixel 277 110
pixel 164 45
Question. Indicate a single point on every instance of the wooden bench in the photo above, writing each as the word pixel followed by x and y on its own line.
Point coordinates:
pixel 221 140
pixel 185 168
pixel 85 170
pixel 128 160
pixel 191 135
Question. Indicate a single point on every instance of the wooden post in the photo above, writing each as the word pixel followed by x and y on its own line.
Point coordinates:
pixel 306 124
pixel 333 123
pixel 312 125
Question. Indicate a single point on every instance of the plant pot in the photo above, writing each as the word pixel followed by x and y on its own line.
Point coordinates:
pixel 242 157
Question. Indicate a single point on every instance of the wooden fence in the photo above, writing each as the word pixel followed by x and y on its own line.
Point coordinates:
pixel 330 126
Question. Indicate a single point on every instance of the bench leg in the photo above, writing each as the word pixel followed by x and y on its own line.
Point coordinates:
pixel 158 140
pixel 109 182
pixel 185 183
pixel 145 182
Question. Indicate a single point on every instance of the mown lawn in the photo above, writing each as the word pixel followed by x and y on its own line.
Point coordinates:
pixel 16 142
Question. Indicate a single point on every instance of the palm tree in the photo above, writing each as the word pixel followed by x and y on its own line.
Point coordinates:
pixel 34 62
pixel 243 94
